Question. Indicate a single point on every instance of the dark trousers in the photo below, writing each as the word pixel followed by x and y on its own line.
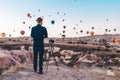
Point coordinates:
pixel 38 51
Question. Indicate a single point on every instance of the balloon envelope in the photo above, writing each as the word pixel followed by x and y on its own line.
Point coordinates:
pixel 52 22
pixel 92 33
pixel 63 31
pixel 23 22
pixel 115 29
pixel 28 14
pixel 92 28
pixel 10 35
pixel 3 34
pixel 64 27
pixel 81 31
pixel 87 32
pixel 22 32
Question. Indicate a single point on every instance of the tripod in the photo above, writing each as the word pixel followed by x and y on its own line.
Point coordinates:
pixel 51 53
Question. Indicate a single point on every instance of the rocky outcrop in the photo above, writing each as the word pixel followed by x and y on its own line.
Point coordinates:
pixel 13 58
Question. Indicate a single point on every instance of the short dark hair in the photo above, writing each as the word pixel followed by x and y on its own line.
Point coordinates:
pixel 39 19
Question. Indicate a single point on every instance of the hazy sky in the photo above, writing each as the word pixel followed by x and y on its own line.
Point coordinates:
pixel 90 12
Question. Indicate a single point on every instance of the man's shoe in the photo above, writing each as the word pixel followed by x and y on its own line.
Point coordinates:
pixel 35 71
pixel 41 72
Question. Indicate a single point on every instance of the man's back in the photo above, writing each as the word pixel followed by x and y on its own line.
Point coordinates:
pixel 38 33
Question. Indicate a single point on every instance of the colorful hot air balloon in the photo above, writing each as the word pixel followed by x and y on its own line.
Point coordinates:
pixel 63 20
pixel 28 15
pixel 106 30
pixel 106 19
pixel 58 13
pixel 63 36
pixel 92 28
pixel 60 34
pixel 23 22
pixel 13 30
pixel 115 29
pixel 10 35
pixel 81 31
pixel 22 32
pixel 33 15
pixel 76 24
pixel 87 32
pixel 63 31
pixel 52 22
pixel 76 32
pixel 29 27
pixel 92 33
pixel 74 28
pixel 3 35
pixel 64 27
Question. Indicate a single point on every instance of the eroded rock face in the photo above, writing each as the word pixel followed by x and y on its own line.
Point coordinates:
pixel 13 58
pixel 67 57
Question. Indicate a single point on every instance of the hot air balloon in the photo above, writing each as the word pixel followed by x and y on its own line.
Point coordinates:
pixel 29 27
pixel 52 22
pixel 109 30
pixel 22 32
pixel 42 16
pixel 64 27
pixel 33 15
pixel 58 13
pixel 76 24
pixel 74 28
pixel 64 14
pixel 3 34
pixel 76 32
pixel 81 31
pixel 23 22
pixel 13 30
pixel 87 32
pixel 39 10
pixel 49 15
pixel 92 28
pixel 28 15
pixel 63 20
pixel 63 36
pixel 80 21
pixel 10 35
pixel 63 31
pixel 92 33
pixel 60 33
pixel 106 19
pixel 106 30
pixel 115 29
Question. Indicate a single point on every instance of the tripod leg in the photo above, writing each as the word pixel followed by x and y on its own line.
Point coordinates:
pixel 56 62
pixel 47 63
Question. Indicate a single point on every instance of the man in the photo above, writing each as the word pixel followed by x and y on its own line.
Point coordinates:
pixel 38 33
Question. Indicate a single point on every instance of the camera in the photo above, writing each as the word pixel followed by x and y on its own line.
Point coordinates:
pixel 51 41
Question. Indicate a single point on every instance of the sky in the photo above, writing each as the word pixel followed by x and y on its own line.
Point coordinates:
pixel 100 14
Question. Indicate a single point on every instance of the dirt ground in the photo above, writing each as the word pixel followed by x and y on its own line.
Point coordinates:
pixel 65 73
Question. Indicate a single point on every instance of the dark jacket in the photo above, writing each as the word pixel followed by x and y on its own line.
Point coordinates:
pixel 38 33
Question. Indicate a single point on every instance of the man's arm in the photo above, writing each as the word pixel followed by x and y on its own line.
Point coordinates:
pixel 32 33
pixel 45 33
